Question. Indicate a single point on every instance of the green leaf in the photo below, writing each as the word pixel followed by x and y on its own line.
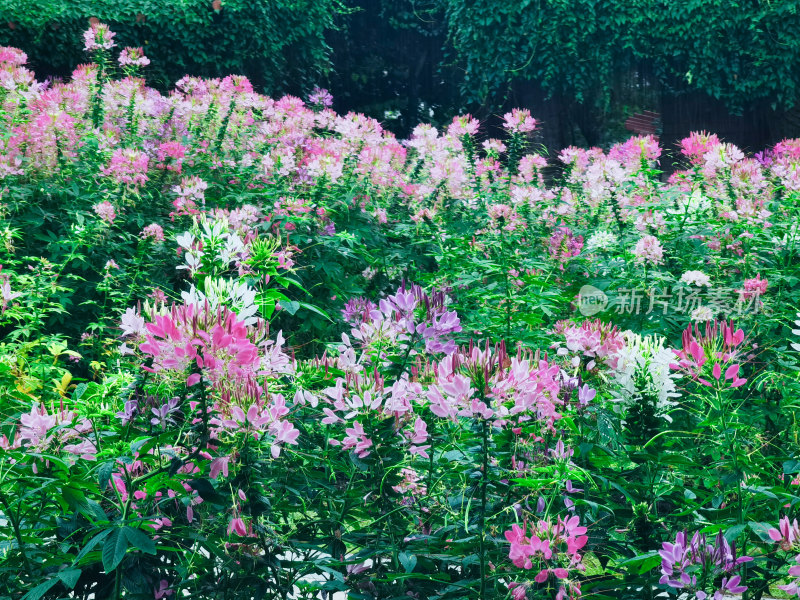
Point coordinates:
pixel 70 577
pixel 139 540
pixel 409 561
pixel 80 389
pixel 290 306
pixel 734 532
pixel 92 543
pixel 314 309
pixel 104 474
pixel 643 562
pixel 114 549
pixel 41 589
pixel 791 466
pixel 761 530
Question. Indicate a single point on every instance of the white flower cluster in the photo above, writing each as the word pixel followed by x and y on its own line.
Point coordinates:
pixel 697 278
pixel 643 370
pixel 602 240
pixel 233 295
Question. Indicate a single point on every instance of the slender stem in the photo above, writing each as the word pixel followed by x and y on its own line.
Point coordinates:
pixel 484 482
pixel 17 534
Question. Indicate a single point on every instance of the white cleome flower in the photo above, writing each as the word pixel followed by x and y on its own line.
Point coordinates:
pixel 602 240
pixel 643 370
pixel 697 278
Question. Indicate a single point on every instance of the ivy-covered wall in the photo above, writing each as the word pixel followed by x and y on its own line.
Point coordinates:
pixel 279 44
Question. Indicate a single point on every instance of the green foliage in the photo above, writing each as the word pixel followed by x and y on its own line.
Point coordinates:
pixel 280 45
pixel 739 52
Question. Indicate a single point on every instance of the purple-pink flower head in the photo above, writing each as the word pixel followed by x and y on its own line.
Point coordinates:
pixel 12 57
pixel 463 125
pixel 105 210
pixel 127 165
pixel 133 57
pixel 154 231
pixel 519 121
pixel 697 144
pixel 98 37
pixel 649 250
pixel 320 97
pixel 563 244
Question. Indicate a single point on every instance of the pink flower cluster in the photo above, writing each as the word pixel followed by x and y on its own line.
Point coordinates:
pixel 133 57
pixel 551 549
pixel 154 232
pixel 519 121
pixel 753 289
pixel 599 342
pixel 106 211
pixel 128 166
pixel 563 245
pixel 515 389
pixel 719 343
pixel 194 345
pixel 649 250
pixel 405 317
pixel 98 37
pixel 62 430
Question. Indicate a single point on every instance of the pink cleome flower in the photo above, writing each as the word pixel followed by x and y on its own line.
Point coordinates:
pixel 127 165
pixel 98 37
pixel 133 57
pixel 105 210
pixel 649 250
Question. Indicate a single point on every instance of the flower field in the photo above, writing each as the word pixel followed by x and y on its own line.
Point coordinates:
pixel 252 348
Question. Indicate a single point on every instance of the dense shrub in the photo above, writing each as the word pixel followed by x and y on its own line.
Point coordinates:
pixel 279 45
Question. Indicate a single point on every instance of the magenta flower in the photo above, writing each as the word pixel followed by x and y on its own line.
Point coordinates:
pixel 163 590
pixel 793 588
pixel 753 288
pixel 320 97
pixel 174 152
pixel 357 440
pixel 12 57
pixel 236 525
pixel 463 125
pixel 787 534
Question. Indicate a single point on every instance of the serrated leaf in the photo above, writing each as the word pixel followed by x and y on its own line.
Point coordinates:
pixel 114 549
pixel 40 590
pixel 104 474
pixel 139 540
pixel 92 543
pixel 70 577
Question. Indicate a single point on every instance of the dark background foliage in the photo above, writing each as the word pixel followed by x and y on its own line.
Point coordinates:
pixel 582 67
